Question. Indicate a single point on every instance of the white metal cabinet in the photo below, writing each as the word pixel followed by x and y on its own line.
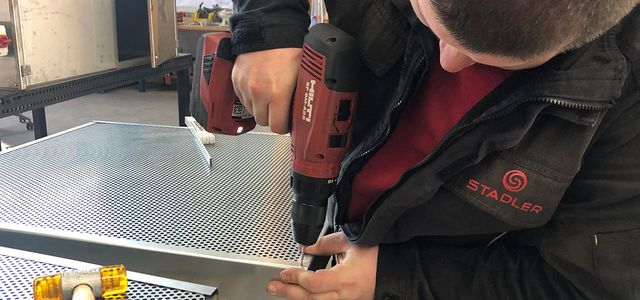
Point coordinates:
pixel 55 40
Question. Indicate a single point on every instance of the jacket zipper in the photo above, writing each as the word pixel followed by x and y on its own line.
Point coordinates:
pixel 568 103
pixel 402 98
pixel 382 138
pixel 564 102
pixel 417 61
pixel 574 104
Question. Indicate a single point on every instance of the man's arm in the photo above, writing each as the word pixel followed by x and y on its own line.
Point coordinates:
pixel 415 270
pixel 267 24
pixel 267 36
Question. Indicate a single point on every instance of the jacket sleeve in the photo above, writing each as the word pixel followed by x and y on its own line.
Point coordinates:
pixel 419 270
pixel 267 24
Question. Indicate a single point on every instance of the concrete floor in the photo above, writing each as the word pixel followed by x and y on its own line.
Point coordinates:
pixel 158 105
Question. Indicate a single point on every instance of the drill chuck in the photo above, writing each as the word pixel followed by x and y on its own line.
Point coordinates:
pixel 309 208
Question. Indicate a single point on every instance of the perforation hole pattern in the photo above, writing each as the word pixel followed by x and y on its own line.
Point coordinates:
pixel 17 275
pixel 151 184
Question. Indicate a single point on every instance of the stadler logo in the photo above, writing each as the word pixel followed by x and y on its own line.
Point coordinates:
pixel 514 181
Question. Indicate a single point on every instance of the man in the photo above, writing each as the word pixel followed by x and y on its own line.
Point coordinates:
pixel 495 148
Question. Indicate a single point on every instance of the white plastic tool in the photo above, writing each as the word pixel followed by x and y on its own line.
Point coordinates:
pixel 202 137
pixel 205 137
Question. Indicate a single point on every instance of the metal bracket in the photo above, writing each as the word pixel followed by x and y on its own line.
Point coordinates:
pixel 25 70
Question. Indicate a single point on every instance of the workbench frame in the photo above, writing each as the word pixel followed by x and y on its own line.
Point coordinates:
pixel 13 102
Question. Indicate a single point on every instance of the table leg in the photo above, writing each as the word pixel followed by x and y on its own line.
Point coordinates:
pixel 184 91
pixel 39 123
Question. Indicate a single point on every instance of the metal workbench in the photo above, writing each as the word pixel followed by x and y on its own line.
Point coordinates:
pixel 144 196
pixel 13 102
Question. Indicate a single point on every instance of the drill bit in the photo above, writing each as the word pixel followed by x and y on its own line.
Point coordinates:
pixel 301 248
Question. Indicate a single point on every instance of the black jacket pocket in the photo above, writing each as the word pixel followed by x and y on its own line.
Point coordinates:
pixel 617 259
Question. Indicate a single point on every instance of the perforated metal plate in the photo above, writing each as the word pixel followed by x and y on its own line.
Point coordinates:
pixel 17 274
pixel 150 184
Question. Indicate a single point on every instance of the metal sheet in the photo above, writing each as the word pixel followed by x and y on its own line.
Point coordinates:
pixel 153 180
pixel 162 26
pixel 144 192
pixel 67 38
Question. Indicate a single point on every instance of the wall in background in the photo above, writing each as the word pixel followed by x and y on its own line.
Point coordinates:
pixel 208 3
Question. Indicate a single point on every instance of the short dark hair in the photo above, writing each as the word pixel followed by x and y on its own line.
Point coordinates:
pixel 527 28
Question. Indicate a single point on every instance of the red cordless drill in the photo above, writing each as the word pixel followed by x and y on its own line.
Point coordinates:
pixel 214 103
pixel 321 120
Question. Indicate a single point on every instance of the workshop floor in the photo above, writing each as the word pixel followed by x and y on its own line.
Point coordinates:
pixel 158 105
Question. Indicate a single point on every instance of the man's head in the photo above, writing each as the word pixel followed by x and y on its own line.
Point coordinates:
pixel 515 34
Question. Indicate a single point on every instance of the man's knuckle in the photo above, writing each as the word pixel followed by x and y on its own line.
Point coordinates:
pixel 255 88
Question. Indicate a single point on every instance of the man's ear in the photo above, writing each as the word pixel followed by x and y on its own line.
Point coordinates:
pixel 452 60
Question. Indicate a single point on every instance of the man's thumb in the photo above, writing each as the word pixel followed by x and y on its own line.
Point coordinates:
pixel 329 245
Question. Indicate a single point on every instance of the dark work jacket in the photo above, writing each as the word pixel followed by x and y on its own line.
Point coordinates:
pixel 534 194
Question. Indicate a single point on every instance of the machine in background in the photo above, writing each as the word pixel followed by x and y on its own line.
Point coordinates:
pixel 45 42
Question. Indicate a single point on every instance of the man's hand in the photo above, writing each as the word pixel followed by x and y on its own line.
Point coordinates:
pixel 264 81
pixel 353 278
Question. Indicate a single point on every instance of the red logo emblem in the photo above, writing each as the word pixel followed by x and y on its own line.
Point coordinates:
pixel 514 181
pixel 4 41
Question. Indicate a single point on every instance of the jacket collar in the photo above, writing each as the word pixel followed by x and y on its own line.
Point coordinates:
pixel 594 72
